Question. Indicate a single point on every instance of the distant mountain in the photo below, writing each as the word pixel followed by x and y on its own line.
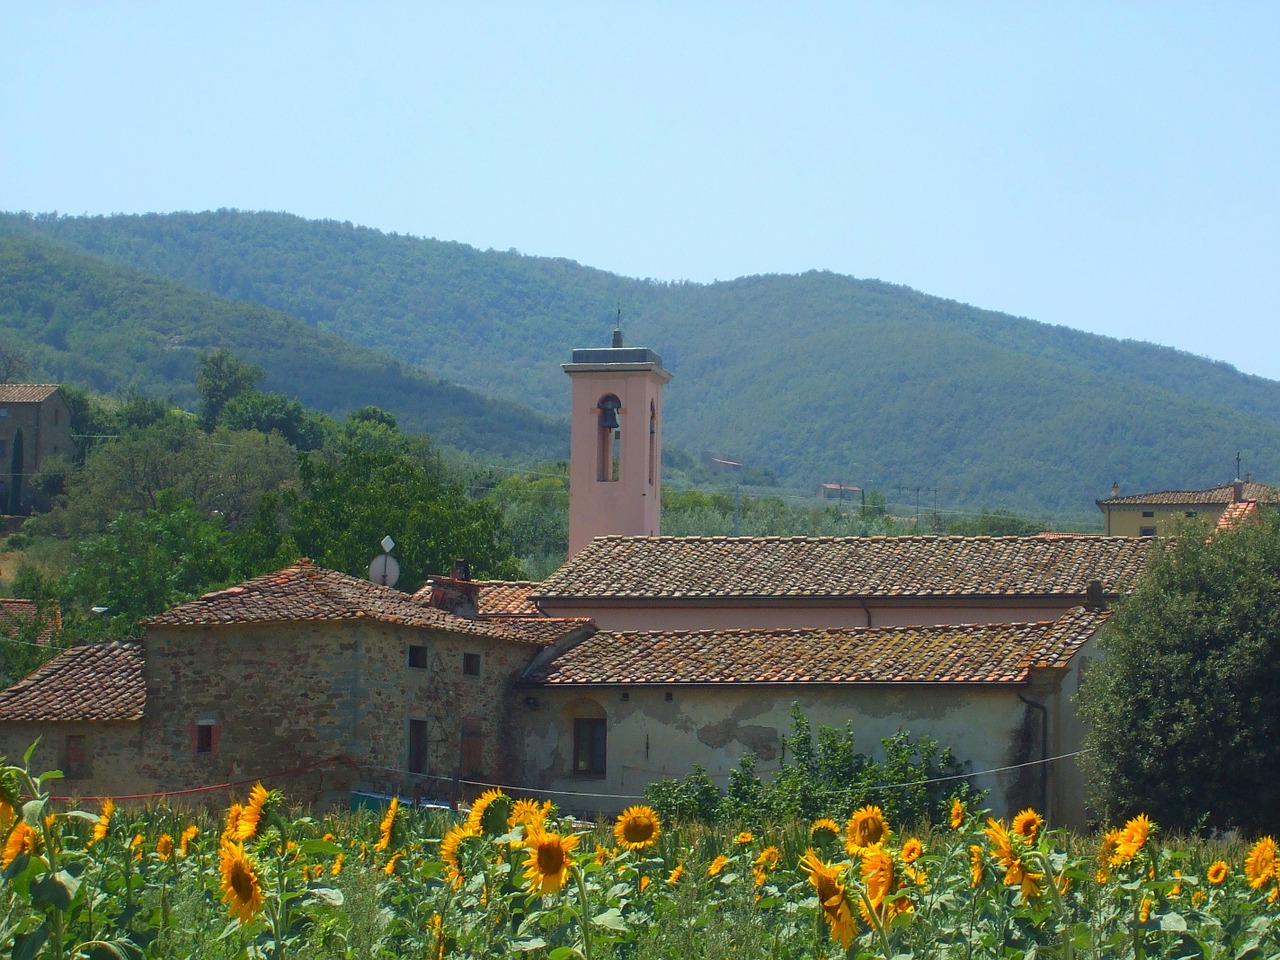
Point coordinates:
pixel 820 377
pixel 113 329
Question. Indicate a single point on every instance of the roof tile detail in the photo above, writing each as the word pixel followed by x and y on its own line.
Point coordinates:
pixel 26 392
pixel 999 653
pixel 841 567
pixel 306 592
pixel 1237 512
pixel 16 615
pixel 96 681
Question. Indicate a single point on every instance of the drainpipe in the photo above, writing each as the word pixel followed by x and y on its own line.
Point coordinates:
pixel 1044 751
pixel 865 609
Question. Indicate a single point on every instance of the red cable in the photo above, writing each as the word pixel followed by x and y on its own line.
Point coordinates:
pixel 223 786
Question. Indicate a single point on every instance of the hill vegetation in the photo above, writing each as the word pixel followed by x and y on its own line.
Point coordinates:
pixel 815 378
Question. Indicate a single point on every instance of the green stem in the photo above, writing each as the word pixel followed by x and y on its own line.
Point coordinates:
pixel 584 918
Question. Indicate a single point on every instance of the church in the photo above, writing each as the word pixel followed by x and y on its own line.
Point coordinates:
pixel 641 657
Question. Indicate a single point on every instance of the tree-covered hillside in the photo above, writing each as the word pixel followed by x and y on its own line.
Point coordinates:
pixel 112 329
pixel 818 377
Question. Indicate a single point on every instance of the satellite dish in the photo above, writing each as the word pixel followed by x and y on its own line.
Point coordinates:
pixel 384 570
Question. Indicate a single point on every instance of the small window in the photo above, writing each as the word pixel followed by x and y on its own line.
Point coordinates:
pixel 419 657
pixel 204 737
pixel 1146 514
pixel 1190 514
pixel 471 664
pixel 4 411
pixel 417 746
pixel 1146 531
pixel 76 765
pixel 589 746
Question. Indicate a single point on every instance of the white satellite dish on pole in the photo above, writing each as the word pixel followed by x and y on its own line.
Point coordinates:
pixel 384 569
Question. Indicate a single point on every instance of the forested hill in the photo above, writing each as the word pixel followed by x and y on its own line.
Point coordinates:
pixel 819 377
pixel 114 329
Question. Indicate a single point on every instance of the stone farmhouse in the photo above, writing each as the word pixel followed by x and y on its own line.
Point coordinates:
pixel 642 656
pixel 35 423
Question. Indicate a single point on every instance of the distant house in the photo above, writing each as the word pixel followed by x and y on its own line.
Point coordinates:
pixel 17 616
pixel 35 424
pixel 1158 514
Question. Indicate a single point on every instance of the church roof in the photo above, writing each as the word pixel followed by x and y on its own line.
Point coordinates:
pixel 987 653
pixel 785 568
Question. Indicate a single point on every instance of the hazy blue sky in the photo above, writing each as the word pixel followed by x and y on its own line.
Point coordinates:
pixel 1107 166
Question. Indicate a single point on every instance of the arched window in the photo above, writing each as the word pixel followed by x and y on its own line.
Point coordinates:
pixel 609 439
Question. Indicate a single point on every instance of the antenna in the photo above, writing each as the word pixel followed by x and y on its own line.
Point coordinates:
pixel 617 327
pixel 1237 464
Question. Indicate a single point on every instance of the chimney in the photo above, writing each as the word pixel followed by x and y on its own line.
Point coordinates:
pixel 1093 596
pixel 1115 490
pixel 457 594
pixel 1237 490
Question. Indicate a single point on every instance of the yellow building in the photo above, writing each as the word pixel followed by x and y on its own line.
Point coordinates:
pixel 1158 514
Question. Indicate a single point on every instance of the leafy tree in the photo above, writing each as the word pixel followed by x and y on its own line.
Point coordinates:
pixel 221 377
pixel 147 562
pixel 996 523
pixel 339 512
pixel 274 412
pixel 1183 706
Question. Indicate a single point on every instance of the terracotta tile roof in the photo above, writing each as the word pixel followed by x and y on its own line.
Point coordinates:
pixel 96 681
pixel 498 597
pixel 305 592
pixel 1215 495
pixel 680 568
pixel 17 614
pixel 1237 512
pixel 26 392
pixel 988 653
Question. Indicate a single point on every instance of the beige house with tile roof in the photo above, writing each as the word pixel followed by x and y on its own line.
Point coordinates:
pixel 35 424
pixel 1158 514
pixel 614 711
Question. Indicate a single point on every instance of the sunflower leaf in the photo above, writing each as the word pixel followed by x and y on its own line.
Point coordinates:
pixel 611 919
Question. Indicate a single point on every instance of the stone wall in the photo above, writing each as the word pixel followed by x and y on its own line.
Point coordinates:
pixel 103 763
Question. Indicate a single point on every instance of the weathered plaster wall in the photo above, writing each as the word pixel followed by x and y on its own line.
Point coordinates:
pixel 651 737
pixel 795 615
pixel 111 750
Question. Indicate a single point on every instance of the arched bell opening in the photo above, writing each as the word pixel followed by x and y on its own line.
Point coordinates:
pixel 609 440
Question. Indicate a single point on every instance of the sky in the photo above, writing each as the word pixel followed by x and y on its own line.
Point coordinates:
pixel 1106 166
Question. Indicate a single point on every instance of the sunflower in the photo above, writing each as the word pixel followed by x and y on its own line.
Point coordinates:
pixel 164 846
pixel 1107 855
pixel 388 821
pixel 529 813
pixel 449 851
pixel 825 878
pixel 239 882
pixel 1144 912
pixel 674 876
pixel 1218 873
pixel 22 840
pixel 768 860
pixel 337 866
pixel 745 837
pixel 7 814
pixel 975 865
pixel 604 855
pixel 1260 864
pixel 866 828
pixel 103 826
pixel 717 866
pixel 957 814
pixel 247 823
pixel 390 868
pixel 884 885
pixel 1027 824
pixel 489 813
pixel 136 846
pixel 637 828
pixel 1132 838
pixel 184 842
pixel 824 824
pixel 912 848
pixel 233 821
pixel 547 868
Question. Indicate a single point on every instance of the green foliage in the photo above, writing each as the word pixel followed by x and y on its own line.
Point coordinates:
pixel 996 523
pixel 830 778
pixel 1183 707
pixel 146 562
pixel 339 513
pixel 220 378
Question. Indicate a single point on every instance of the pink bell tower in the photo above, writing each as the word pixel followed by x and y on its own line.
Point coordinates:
pixel 615 443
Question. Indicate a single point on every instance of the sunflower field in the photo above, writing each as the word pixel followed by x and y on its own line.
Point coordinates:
pixel 514 879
